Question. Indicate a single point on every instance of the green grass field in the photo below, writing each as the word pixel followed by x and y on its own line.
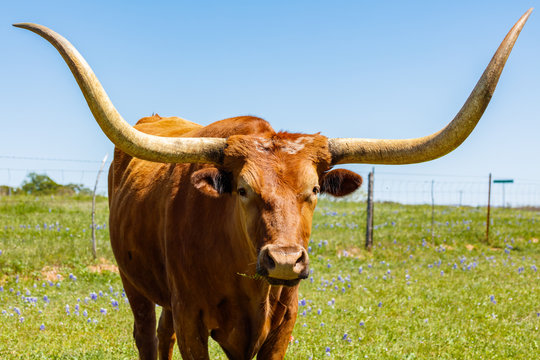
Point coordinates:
pixel 414 297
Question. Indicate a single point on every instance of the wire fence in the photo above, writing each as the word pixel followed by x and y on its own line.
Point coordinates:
pixel 388 186
pixel 460 192
pixel 15 169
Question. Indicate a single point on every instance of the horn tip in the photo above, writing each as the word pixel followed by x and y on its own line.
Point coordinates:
pixel 527 14
pixel 24 25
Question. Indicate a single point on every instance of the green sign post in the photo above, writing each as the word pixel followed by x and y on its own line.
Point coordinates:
pixel 503 182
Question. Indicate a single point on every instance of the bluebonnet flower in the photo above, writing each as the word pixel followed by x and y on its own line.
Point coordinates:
pixel 85 313
pixel 103 311
pixel 93 296
pixel 42 327
pixel 114 303
pixel 361 323
pixel 492 299
pixel 302 302
pixel 17 311
pixel 327 349
pixel 319 312
pixel 72 277
pixel 380 304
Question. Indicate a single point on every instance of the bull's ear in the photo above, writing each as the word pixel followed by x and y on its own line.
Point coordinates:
pixel 340 182
pixel 212 181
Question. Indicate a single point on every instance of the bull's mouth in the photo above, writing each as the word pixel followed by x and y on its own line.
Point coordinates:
pixel 283 282
pixel 274 281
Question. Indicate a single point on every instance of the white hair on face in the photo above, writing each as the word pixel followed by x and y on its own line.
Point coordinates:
pixel 294 146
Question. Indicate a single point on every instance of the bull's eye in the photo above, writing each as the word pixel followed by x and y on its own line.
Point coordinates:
pixel 316 190
pixel 241 192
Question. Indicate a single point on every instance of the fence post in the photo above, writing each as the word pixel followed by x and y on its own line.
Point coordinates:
pixel 94 251
pixel 432 213
pixel 9 182
pixel 488 209
pixel 369 224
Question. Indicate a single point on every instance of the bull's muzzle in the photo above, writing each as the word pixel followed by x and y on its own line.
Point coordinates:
pixel 283 265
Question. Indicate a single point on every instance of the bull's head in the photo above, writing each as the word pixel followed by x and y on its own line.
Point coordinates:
pixel 240 159
pixel 274 182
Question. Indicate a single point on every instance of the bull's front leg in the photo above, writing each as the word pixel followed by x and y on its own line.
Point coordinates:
pixel 191 333
pixel 284 318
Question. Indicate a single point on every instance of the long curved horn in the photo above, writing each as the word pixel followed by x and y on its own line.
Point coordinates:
pixel 123 135
pixel 409 151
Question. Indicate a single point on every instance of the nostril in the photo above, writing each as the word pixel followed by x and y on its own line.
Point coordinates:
pixel 268 261
pixel 301 259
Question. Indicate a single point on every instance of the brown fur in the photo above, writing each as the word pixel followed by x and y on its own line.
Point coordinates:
pixel 186 251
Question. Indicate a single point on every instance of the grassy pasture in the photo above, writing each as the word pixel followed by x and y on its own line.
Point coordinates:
pixel 413 297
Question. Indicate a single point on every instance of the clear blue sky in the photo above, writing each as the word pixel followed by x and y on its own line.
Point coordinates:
pixel 377 69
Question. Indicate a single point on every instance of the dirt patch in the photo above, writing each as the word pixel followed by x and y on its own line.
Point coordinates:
pixel 103 265
pixel 534 240
pixel 354 252
pixel 469 247
pixel 51 273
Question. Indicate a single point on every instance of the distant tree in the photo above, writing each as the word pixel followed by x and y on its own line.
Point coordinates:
pixel 39 184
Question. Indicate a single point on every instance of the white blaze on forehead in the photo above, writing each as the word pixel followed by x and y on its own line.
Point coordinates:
pixel 294 146
pixel 289 146
pixel 263 144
